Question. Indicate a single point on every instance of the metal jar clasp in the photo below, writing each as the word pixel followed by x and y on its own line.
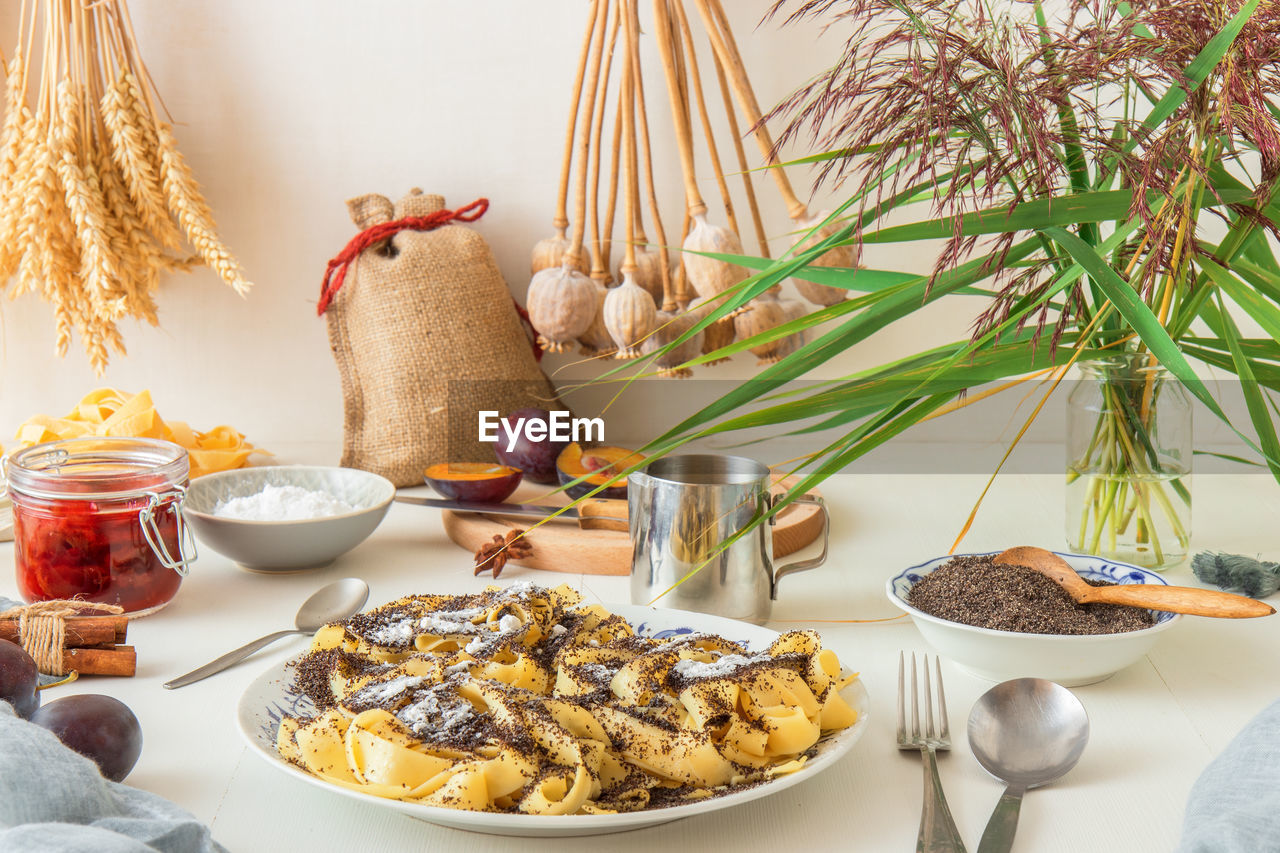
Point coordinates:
pixel 151 531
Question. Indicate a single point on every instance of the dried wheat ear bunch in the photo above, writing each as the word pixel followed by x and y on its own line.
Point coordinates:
pixel 96 201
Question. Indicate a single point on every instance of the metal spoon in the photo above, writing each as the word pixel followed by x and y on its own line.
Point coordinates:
pixel 338 600
pixel 1026 732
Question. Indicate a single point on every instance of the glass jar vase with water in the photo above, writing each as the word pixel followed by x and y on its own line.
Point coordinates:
pixel 1129 462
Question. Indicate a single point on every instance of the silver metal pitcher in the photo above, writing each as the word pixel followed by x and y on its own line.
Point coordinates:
pixel 681 509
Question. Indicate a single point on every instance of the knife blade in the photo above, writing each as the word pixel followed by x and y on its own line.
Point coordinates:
pixel 593 514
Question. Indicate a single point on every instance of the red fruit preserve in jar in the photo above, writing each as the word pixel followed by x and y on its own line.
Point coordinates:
pixel 100 519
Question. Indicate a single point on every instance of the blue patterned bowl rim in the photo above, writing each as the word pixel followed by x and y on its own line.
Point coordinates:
pixel 898 587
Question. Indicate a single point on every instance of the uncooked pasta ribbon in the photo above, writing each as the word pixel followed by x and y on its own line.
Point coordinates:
pixel 108 412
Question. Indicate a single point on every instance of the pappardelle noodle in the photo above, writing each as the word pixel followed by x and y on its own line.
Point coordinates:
pixel 524 700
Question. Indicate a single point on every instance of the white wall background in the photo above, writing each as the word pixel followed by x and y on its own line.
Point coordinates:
pixel 286 108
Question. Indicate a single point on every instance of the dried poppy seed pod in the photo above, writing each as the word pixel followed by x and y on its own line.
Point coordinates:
pixel 629 315
pixel 550 252
pixel 596 340
pixel 792 309
pixel 839 256
pixel 710 276
pixel 561 304
pixel 719 334
pixel 783 348
pixel 670 327
pixel 761 314
pixel 648 272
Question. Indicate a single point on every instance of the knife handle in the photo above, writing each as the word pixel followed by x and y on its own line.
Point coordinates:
pixel 603 514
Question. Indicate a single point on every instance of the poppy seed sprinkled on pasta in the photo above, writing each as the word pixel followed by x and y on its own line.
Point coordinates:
pixel 553 707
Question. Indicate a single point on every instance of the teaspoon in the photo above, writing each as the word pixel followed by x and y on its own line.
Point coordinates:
pixel 330 603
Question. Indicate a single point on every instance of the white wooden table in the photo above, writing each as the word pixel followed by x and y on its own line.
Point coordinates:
pixel 1154 726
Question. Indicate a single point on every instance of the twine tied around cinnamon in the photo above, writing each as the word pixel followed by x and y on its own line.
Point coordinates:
pixel 42 628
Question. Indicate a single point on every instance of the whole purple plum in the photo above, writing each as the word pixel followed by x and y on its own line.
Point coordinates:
pixel 536 458
pixel 18 679
pixel 98 727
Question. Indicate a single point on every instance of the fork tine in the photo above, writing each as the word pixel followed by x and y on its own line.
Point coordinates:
pixel 928 701
pixel 942 701
pixel 915 705
pixel 902 710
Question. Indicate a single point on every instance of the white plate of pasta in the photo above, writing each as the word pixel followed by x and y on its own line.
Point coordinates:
pixel 383 740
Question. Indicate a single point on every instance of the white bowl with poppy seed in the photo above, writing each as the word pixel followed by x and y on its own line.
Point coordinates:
pixel 1069 659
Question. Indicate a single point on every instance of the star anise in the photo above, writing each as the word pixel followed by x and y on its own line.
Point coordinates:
pixel 492 556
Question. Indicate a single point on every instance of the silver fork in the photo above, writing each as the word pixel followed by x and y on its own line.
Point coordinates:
pixel 937 829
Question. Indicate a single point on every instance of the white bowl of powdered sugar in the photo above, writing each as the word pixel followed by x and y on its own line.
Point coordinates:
pixel 286 517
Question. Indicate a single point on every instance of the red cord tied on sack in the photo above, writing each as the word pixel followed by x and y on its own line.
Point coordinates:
pixel 336 273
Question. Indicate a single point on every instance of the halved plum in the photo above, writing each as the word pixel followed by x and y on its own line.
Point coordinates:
pixel 473 481
pixel 600 463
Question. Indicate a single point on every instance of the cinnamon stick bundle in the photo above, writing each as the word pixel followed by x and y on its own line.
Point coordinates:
pixel 80 631
pixel 90 644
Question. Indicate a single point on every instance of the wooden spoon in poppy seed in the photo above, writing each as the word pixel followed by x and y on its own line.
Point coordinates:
pixel 1175 599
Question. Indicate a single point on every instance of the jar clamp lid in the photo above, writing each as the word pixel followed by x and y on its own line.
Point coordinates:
pixel 111 468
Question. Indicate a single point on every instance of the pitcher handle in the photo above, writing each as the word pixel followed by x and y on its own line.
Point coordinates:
pixel 802 565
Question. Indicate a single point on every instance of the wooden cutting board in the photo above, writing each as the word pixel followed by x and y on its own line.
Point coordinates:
pixel 562 546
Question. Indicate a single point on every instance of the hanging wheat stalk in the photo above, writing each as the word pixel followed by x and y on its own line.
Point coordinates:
pixel 95 198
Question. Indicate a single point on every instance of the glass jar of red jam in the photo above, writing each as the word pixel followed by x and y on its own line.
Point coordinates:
pixel 100 519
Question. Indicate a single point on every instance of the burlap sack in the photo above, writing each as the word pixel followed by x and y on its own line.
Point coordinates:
pixel 425 336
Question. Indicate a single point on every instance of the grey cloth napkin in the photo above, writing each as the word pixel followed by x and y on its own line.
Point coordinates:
pixel 53 799
pixel 1234 807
